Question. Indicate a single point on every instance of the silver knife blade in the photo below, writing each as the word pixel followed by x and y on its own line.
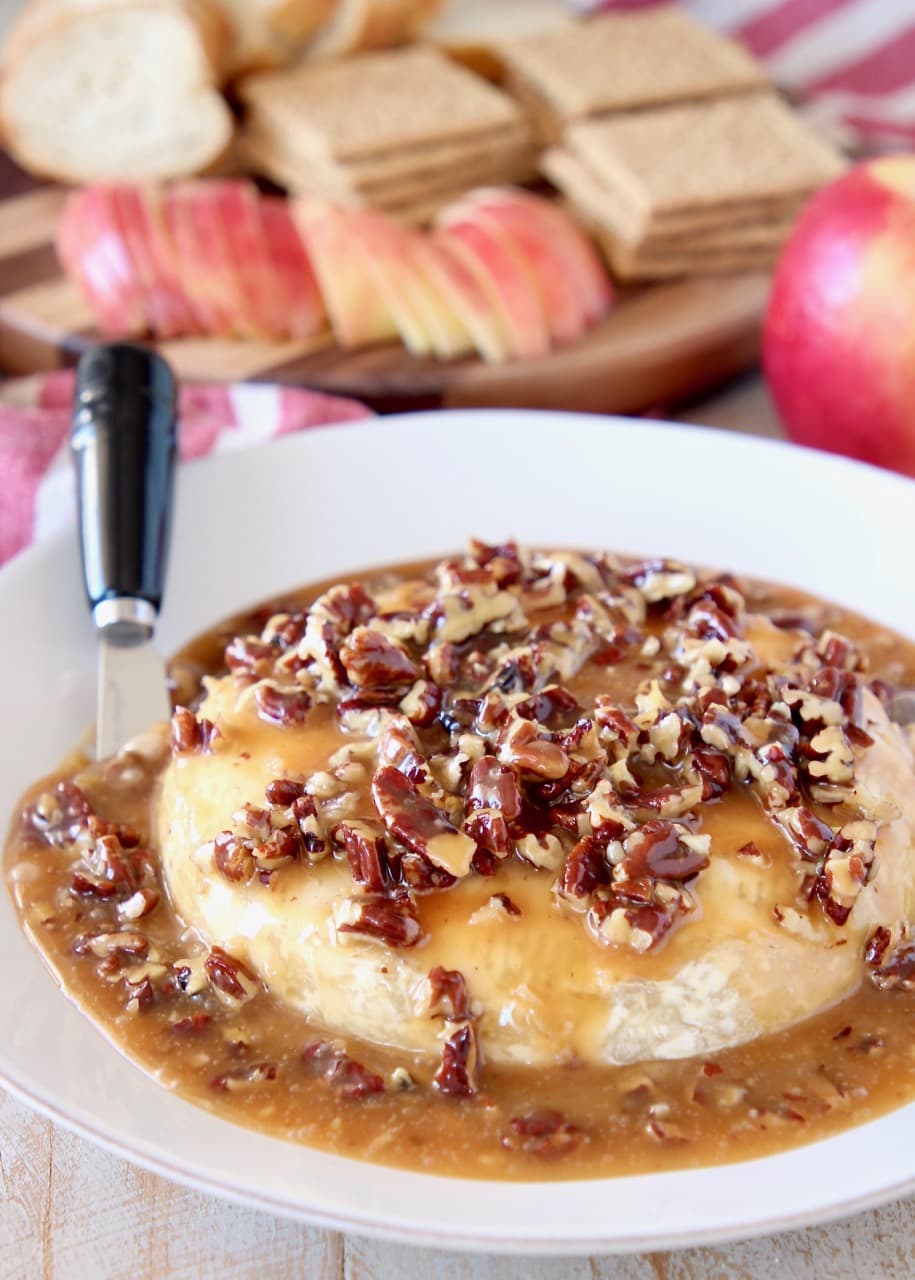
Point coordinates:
pixel 132 693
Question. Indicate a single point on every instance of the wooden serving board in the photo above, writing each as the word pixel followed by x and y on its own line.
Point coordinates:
pixel 659 344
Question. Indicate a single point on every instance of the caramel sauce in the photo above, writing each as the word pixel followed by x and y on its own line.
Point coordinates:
pixel 841 1068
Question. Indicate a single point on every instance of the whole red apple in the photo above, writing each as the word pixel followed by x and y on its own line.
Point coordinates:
pixel 839 338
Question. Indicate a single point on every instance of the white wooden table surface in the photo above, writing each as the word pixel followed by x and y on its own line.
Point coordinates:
pixel 69 1211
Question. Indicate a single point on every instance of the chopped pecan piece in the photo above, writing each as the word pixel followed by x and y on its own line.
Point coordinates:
pixel 448 996
pixel 457 1076
pixel 244 1077
pixel 584 869
pixel 419 824
pixel 191 733
pixel 389 920
pixel 494 798
pixel 284 791
pixel 248 656
pixel 367 852
pixel 554 707
pixel 59 816
pixel 715 771
pixel 229 976
pixel 542 1132
pixel 351 1079
pixel 282 706
pixel 233 857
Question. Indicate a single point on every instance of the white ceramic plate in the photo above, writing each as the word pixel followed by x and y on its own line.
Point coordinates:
pixel 342 498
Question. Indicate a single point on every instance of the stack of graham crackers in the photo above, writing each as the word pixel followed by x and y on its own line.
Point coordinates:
pixel 404 131
pixel 667 143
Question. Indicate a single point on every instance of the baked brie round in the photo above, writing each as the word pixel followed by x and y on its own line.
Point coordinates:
pixel 546 807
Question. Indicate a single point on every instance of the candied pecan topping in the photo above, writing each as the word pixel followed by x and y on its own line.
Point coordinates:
pixel 399 746
pixel 229 976
pixel 715 770
pixel 194 1024
pixel 457 1076
pixel 542 1132
pixel 494 802
pixel 349 1078
pixel 244 1077
pixel 584 869
pixel 448 997
pixel 58 817
pixel 233 858
pixel 418 823
pixel 658 849
pixel 284 791
pixel 555 708
pixel 246 655
pixel 371 659
pixel 892 965
pixel 282 706
pixel 419 873
pixel 366 850
pixel 494 786
pixel 108 869
pixel 191 733
pixel 391 920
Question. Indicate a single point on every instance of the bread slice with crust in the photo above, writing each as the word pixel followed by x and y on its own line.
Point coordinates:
pixel 271 33
pixel 112 89
pixel 359 25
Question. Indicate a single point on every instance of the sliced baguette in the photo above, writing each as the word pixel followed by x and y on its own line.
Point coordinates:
pixel 358 25
pixel 113 90
pixel 271 33
pixel 37 16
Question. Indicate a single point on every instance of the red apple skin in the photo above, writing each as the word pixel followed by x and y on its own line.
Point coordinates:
pixel 839 335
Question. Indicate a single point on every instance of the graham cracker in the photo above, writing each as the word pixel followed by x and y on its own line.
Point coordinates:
pixel 296 173
pixel 631 270
pixel 379 103
pixel 271 150
pixel 703 156
pixel 621 61
pixel 600 205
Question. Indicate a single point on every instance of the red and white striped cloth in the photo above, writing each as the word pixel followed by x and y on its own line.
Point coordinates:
pixel 37 496
pixel 851 63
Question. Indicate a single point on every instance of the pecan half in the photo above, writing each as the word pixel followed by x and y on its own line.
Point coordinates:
pixel 419 824
pixel 372 660
pixel 659 850
pixel 229 976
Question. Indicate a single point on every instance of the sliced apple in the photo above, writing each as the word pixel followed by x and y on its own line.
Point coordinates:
pixel 217 256
pixel 547 268
pixel 153 227
pixel 450 335
pixel 247 247
pixel 503 276
pixel 359 315
pixel 298 288
pixel 462 294
pixel 92 251
pixel 166 311
pixel 200 279
pixel 584 265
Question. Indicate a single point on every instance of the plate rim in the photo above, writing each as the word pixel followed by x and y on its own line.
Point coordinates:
pixel 137 1150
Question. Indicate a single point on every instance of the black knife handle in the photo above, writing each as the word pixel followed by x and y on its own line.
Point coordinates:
pixel 124 445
